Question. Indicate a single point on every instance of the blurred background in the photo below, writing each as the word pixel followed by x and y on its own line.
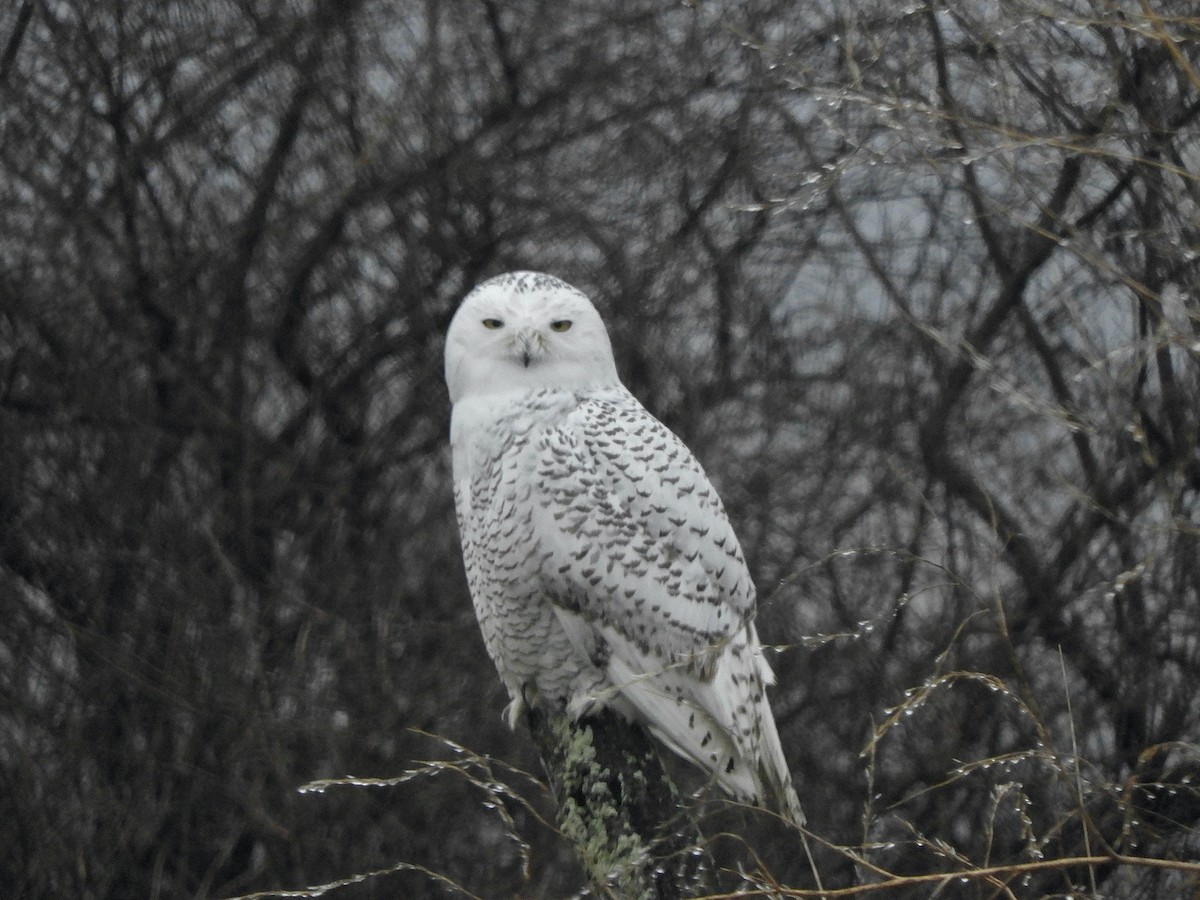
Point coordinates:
pixel 917 283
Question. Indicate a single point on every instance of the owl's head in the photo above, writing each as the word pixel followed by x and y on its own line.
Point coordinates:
pixel 523 331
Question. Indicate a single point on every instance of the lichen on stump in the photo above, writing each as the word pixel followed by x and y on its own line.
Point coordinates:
pixel 619 809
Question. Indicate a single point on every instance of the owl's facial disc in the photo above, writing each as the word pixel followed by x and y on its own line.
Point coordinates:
pixel 526 331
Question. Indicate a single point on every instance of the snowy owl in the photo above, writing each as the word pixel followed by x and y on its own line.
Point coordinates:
pixel 602 566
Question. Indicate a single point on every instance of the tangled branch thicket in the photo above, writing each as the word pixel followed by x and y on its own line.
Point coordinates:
pixel 917 283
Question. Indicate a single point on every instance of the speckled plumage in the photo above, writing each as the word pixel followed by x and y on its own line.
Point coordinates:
pixel 602 565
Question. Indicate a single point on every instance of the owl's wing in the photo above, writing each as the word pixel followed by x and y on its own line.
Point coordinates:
pixel 649 579
pixel 634 536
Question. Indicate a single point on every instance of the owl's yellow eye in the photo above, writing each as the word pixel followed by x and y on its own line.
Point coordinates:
pixel 493 324
pixel 560 325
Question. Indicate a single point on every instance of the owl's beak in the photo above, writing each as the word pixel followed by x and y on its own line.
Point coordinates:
pixel 529 345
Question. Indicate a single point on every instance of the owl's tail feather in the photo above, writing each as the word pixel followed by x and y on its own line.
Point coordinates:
pixel 661 703
pixel 693 720
pixel 737 697
pixel 774 779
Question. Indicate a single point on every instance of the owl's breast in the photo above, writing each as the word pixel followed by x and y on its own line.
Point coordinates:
pixel 489 431
pixel 497 496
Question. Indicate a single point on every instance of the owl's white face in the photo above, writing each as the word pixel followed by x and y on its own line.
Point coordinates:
pixel 524 331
